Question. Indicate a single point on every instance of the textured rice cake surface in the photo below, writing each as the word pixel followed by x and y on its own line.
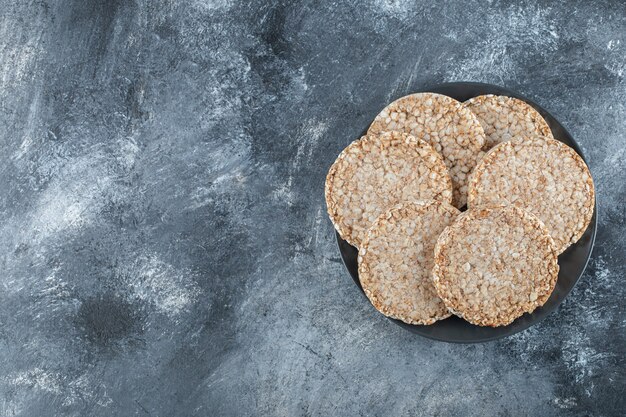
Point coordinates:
pixel 396 260
pixel 494 264
pixel 377 172
pixel 453 130
pixel 543 176
pixel 504 118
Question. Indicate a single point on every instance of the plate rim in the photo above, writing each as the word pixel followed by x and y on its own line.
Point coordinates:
pixel 593 224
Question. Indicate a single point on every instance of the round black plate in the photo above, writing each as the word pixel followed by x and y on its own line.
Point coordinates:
pixel 572 262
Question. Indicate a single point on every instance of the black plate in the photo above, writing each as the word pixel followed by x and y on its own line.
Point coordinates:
pixel 572 262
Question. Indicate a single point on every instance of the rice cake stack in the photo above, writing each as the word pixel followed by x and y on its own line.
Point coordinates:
pixel 529 197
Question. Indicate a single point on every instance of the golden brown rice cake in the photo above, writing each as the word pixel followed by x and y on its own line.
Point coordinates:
pixel 377 172
pixel 396 260
pixel 443 122
pixel 494 264
pixel 504 118
pixel 540 175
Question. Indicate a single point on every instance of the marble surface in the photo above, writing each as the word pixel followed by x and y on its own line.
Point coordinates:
pixel 164 244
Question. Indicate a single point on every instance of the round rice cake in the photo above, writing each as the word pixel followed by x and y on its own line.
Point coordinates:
pixel 377 172
pixel 543 176
pixel 453 130
pixel 396 259
pixel 494 264
pixel 504 118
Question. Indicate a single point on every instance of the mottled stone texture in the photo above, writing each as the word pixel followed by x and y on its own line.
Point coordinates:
pixel 164 244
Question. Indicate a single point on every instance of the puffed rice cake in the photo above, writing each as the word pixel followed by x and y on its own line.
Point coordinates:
pixel 396 260
pixel 543 176
pixel 377 172
pixel 504 118
pixel 453 130
pixel 494 264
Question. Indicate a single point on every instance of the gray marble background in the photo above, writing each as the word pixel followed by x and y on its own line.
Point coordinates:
pixel 164 244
